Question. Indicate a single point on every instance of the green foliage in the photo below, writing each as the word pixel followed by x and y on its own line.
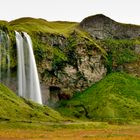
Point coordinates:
pixel 115 98
pixel 41 50
pixel 59 59
pixel 120 52
pixel 4 26
pixel 14 108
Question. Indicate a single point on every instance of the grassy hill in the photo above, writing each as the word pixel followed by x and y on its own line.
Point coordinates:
pixel 40 25
pixel 14 108
pixel 116 97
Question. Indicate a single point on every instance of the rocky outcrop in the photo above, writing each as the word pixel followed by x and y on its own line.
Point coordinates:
pixel 122 42
pixel 102 27
pixel 82 66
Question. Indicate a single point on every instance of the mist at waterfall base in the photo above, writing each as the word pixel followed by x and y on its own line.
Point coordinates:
pixel 27 76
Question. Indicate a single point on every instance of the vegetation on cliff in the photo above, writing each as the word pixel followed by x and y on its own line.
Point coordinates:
pixel 61 47
pixel 120 52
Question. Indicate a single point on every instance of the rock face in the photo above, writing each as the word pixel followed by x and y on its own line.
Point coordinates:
pixel 67 62
pixel 82 66
pixel 102 27
pixel 123 47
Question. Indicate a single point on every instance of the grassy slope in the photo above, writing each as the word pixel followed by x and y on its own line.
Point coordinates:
pixel 15 108
pixel 116 97
pixel 32 24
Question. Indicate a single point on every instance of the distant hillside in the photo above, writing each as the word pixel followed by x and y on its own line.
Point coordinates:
pixel 102 27
pixel 116 97
pixel 40 25
pixel 14 108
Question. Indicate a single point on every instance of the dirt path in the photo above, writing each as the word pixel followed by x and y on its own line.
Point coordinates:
pixel 129 133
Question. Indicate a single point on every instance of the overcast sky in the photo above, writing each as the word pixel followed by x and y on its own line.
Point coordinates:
pixel 127 11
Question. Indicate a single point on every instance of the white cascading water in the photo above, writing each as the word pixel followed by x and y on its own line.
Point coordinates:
pixel 21 66
pixel 4 58
pixel 28 81
pixel 8 59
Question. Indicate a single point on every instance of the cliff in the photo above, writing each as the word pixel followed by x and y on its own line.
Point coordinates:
pixel 120 41
pixel 72 56
pixel 68 59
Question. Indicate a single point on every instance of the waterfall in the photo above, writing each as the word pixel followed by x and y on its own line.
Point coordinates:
pixel 4 58
pixel 28 81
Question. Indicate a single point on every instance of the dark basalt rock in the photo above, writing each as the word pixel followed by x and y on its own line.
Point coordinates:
pixel 102 27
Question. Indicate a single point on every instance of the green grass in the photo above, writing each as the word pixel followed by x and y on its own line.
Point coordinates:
pixel 115 98
pixel 14 108
pixel 31 24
